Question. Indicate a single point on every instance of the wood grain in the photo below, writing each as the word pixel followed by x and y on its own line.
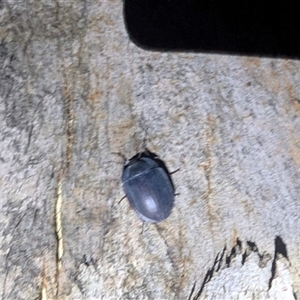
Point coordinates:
pixel 74 89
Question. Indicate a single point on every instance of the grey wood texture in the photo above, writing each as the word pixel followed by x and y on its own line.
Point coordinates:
pixel 74 90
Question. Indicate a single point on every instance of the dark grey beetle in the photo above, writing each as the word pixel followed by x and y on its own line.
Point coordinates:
pixel 148 187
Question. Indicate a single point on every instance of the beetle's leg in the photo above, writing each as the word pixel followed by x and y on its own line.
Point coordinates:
pixel 122 199
pixel 122 155
pixel 171 173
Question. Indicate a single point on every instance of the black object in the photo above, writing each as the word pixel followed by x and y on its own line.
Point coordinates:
pixel 148 186
pixel 231 27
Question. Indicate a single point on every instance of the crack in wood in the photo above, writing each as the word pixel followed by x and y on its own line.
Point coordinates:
pixel 70 119
pixel 208 276
pixel 58 231
pixel 248 248
pixel 66 163
pixel 280 248
pixel 43 293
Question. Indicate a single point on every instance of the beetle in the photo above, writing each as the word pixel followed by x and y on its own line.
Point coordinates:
pixel 148 187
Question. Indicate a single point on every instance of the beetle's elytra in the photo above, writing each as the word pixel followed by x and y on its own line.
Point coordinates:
pixel 148 187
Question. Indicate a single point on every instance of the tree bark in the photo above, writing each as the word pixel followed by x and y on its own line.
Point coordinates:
pixel 75 91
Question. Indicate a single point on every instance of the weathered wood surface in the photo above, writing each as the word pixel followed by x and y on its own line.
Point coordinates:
pixel 74 90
